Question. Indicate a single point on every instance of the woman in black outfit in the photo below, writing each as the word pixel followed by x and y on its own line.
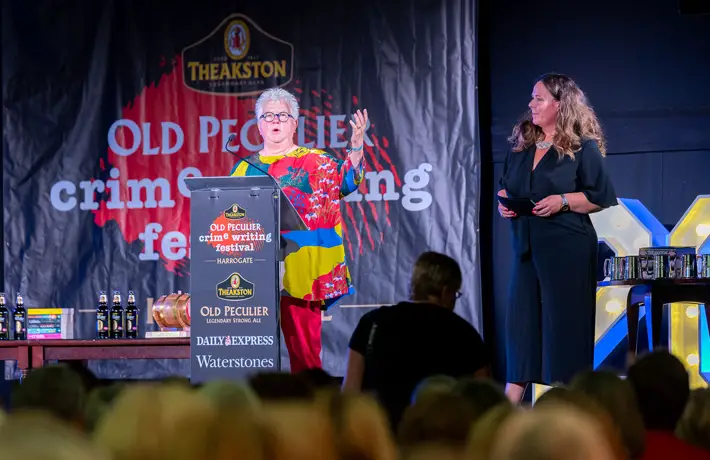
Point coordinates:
pixel 556 161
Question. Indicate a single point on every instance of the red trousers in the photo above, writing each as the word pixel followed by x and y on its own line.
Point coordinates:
pixel 301 325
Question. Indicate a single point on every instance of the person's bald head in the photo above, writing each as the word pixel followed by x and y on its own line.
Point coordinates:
pixel 556 432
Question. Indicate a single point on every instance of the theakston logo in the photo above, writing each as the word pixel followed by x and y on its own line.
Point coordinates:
pixel 235 288
pixel 235 212
pixel 237 58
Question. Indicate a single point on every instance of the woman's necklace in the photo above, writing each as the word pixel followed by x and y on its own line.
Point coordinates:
pixel 542 145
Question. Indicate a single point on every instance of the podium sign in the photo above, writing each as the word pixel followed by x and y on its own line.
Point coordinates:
pixel 234 282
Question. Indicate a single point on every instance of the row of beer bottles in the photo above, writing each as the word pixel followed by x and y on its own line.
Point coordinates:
pixel 18 319
pixel 116 322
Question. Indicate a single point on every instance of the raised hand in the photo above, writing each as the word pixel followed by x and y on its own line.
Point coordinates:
pixel 358 123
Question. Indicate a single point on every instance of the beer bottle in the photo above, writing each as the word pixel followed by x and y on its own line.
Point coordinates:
pixel 19 318
pixel 117 316
pixel 4 319
pixel 102 317
pixel 131 317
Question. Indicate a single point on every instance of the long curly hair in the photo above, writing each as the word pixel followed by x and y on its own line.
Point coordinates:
pixel 576 120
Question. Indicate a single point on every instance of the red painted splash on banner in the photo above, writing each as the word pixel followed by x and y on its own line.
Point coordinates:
pixel 171 101
pixel 229 238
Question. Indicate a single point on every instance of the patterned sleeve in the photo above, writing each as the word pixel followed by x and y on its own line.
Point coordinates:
pixel 349 177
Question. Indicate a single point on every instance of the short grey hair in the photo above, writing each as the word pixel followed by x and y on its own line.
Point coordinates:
pixel 433 272
pixel 277 95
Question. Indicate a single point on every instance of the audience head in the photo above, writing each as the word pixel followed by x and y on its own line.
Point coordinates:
pixel 230 395
pixel 99 402
pixel 662 389
pixel 433 452
pixel 483 395
pixel 274 386
pixel 694 425
pixel 432 386
pixel 617 397
pixel 484 431
pixel 563 397
pixel 156 422
pixel 88 379
pixel 558 396
pixel 557 431
pixel 441 418
pixel 56 389
pixel 297 431
pixel 437 279
pixel 553 395
pixel 233 435
pixel 39 436
pixel 361 428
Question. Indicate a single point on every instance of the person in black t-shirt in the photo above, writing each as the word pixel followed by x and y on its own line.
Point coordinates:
pixel 394 348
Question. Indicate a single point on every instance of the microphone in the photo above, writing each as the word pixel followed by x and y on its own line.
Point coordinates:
pixel 242 157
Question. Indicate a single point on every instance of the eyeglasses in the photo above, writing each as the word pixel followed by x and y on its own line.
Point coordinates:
pixel 282 117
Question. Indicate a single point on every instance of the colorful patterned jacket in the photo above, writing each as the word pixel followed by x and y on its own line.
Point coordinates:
pixel 315 182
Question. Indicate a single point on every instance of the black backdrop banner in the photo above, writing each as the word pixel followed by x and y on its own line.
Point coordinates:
pixel 109 106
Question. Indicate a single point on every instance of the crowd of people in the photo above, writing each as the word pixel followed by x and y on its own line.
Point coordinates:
pixel 417 386
pixel 60 414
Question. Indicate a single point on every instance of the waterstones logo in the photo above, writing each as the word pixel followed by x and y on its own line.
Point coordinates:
pixel 213 362
pixel 235 340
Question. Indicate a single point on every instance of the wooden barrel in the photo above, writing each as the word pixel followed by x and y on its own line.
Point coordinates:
pixel 172 311
pixel 184 314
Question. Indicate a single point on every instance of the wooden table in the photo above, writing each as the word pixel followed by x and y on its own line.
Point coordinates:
pixel 16 350
pixel 83 350
pixel 31 354
pixel 654 294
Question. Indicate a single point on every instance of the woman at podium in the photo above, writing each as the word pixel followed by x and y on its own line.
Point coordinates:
pixel 315 273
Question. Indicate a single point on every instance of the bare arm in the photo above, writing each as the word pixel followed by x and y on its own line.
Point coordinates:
pixel 354 372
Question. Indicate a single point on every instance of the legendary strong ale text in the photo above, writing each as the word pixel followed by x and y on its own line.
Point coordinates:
pixel 243 70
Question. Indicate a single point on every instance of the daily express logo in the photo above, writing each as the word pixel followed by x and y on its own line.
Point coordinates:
pixel 237 58
pixel 235 288
pixel 235 212
pixel 235 340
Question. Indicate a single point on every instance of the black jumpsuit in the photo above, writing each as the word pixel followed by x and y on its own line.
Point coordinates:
pixel 552 303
